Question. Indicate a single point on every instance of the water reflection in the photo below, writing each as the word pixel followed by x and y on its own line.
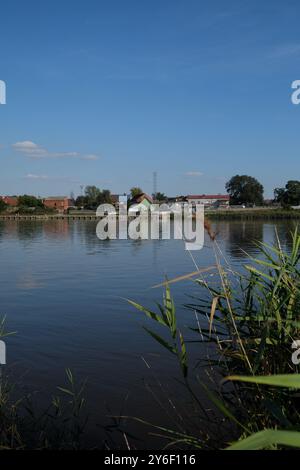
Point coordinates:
pixel 237 237
pixel 241 238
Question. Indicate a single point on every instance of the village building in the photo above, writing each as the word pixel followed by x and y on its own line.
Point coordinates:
pixel 140 202
pixel 209 200
pixel 58 203
pixel 11 201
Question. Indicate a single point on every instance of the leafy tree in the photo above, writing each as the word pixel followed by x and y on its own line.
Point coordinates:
pixel 81 201
pixel 279 194
pixel 3 205
pixel 290 195
pixel 93 198
pixel 159 196
pixel 244 189
pixel 92 194
pixel 135 191
pixel 30 201
pixel 104 197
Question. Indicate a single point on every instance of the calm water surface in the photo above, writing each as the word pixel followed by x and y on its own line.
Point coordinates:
pixel 63 291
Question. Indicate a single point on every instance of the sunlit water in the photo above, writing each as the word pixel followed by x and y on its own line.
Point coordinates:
pixel 64 292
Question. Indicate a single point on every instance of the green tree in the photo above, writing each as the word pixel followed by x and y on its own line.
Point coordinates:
pixel 30 201
pixel 159 196
pixel 81 201
pixel 290 195
pixel 3 205
pixel 104 197
pixel 135 191
pixel 279 195
pixel 93 198
pixel 92 194
pixel 244 189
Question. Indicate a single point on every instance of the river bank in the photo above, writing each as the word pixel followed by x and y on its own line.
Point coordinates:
pixel 218 214
pixel 253 214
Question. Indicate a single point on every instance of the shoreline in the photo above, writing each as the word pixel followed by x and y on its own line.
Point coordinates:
pixel 253 214
pixel 228 214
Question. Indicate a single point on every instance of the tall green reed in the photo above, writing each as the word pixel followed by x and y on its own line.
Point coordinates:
pixel 249 321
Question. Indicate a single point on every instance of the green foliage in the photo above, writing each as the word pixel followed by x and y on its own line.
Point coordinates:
pixel 93 198
pixel 290 195
pixel 280 380
pixel 159 197
pixel 135 191
pixel 244 189
pixel 268 439
pixel 104 197
pixel 59 426
pixel 80 201
pixel 30 201
pixel 92 194
pixel 251 321
pixel 167 318
pixel 3 205
pixel 254 214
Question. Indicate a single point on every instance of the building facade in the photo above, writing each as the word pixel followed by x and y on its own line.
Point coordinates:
pixel 209 200
pixel 59 203
pixel 140 202
pixel 10 200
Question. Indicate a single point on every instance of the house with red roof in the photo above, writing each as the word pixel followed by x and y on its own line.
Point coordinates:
pixel 10 200
pixel 59 203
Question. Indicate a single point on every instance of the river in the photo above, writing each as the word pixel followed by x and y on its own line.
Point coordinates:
pixel 63 291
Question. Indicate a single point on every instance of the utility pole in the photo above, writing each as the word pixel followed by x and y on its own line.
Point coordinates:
pixel 154 184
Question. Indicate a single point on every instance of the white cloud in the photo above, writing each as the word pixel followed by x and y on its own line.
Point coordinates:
pixel 32 150
pixel 35 177
pixel 194 173
pixel 31 176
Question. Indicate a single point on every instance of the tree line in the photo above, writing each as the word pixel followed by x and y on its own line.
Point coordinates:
pixel 93 197
pixel 242 189
pixel 247 190
pixel 27 203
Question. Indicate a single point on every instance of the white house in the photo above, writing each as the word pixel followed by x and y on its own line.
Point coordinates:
pixel 209 200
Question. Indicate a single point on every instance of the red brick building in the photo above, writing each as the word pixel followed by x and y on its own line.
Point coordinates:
pixel 10 200
pixel 59 203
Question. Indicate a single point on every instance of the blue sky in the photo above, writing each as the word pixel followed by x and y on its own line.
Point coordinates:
pixel 106 92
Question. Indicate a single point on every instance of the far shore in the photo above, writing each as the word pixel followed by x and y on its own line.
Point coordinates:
pixel 218 214
pixel 253 214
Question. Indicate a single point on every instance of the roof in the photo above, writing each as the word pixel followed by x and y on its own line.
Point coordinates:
pixel 176 198
pixel 140 197
pixel 225 197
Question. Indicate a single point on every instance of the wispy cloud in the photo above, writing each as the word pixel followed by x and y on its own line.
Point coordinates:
pixel 194 173
pixel 31 176
pixel 35 177
pixel 33 150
